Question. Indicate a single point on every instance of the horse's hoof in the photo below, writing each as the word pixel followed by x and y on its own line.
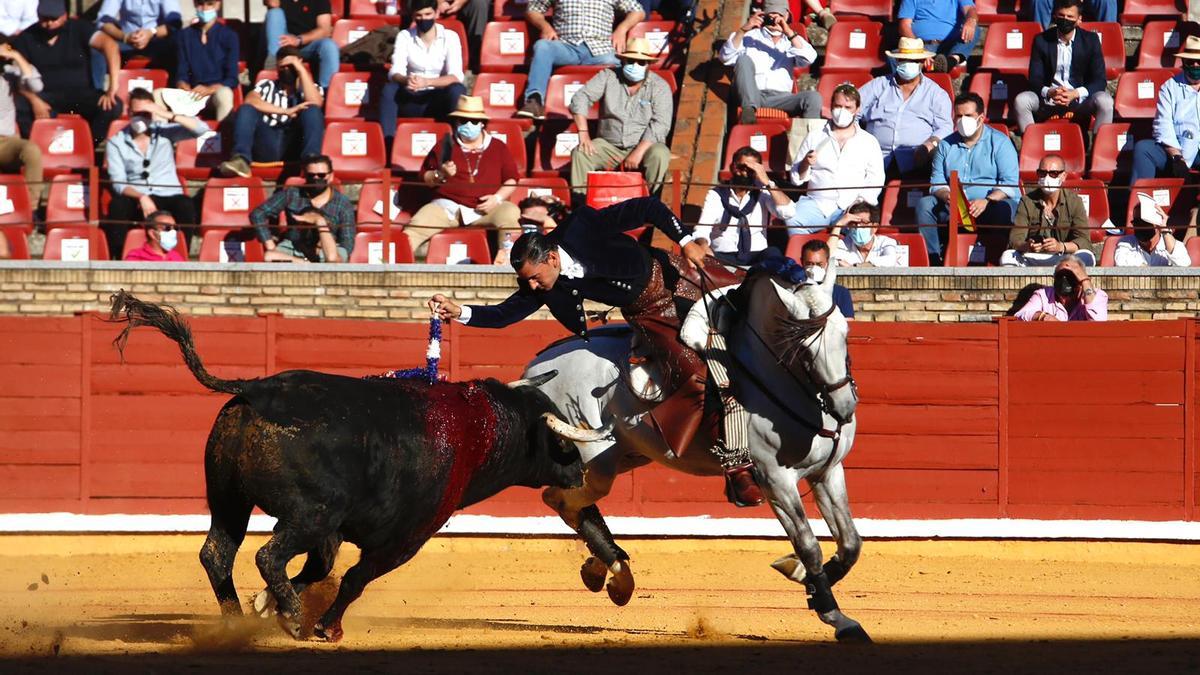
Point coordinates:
pixel 620 585
pixel 290 625
pixel 264 604
pixel 331 634
pixel 593 572
pixel 853 633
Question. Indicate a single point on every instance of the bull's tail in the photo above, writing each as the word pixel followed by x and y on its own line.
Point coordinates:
pixel 167 320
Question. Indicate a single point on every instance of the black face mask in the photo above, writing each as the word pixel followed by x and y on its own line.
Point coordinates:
pixel 287 77
pixel 1066 286
pixel 314 187
pixel 424 25
pixel 738 180
pixel 1064 26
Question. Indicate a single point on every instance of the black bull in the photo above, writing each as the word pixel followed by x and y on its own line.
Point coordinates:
pixel 378 462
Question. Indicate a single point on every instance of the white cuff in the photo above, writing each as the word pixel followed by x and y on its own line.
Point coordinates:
pixel 686 240
pixel 465 316
pixel 1083 94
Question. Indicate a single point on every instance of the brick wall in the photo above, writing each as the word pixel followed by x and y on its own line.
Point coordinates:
pixel 360 291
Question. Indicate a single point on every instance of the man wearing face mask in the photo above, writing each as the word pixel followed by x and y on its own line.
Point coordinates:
pixel 426 79
pixel 141 163
pixel 472 176
pixel 320 219
pixel 1152 243
pixel 162 240
pixel 1176 143
pixel 1073 297
pixel 986 162
pixel 855 241
pixel 635 117
pixel 841 164
pixel 907 113
pixel 1066 73
pixel 1051 222
pixel 735 217
pixel 814 256
pixel 281 118
pixel 763 53
pixel 208 59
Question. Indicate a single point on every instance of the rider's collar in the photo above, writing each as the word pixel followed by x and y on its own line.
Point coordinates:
pixel 571 269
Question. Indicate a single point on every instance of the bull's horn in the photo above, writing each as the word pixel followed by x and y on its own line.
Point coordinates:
pixel 535 381
pixel 574 433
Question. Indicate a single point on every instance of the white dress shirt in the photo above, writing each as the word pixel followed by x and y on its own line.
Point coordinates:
pixel 773 61
pixel 411 56
pixel 1062 71
pixel 724 238
pixel 1130 253
pixel 858 165
pixel 884 251
pixel 17 15
pixel 568 267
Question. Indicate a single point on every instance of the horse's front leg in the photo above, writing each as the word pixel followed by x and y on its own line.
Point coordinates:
pixel 830 493
pixel 784 496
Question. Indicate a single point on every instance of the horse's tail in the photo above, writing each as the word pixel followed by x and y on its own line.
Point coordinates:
pixel 167 320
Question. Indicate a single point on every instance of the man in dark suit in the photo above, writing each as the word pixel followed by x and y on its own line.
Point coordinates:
pixel 1066 72
pixel 588 256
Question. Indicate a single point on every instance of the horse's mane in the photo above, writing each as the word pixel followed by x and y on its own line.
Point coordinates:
pixel 786 332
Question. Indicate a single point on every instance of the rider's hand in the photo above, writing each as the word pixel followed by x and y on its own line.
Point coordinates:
pixel 696 251
pixel 444 307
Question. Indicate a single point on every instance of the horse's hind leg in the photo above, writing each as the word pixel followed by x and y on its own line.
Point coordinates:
pixel 830 493
pixel 225 535
pixel 784 496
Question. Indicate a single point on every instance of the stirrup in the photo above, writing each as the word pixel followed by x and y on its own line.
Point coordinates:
pixel 740 487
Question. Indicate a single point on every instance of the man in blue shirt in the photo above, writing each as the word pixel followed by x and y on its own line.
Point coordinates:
pixel 141 28
pixel 950 27
pixel 986 162
pixel 208 59
pixel 1176 140
pixel 1097 10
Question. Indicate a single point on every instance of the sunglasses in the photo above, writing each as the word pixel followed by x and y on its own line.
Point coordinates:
pixel 310 177
pixel 1053 173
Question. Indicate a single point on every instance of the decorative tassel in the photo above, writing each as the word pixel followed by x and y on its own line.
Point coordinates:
pixel 433 356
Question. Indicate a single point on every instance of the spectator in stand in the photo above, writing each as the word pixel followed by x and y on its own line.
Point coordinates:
pixel 278 118
pixel 208 59
pixel 814 256
pixel 472 177
pixel 1173 151
pixel 856 242
pixel 735 218
pixel 16 16
pixel 59 48
pixel 1066 73
pixel 907 113
pixel 840 163
pixel 162 240
pixel 306 25
pixel 986 162
pixel 140 28
pixel 949 26
pixel 763 53
pixel 1044 11
pixel 141 164
pixel 580 33
pixel 474 15
pixel 1152 244
pixel 1051 222
pixel 17 75
pixel 635 118
pixel 426 79
pixel 320 219
pixel 822 14
pixel 1073 297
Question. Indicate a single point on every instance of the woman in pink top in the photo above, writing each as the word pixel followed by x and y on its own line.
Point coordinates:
pixel 1071 298
pixel 162 240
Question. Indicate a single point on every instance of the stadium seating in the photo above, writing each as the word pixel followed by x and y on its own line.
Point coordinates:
pixel 512 133
pixel 1137 93
pixel 148 79
pixel 506 46
pixel 1108 251
pixel 971 252
pixel 663 36
pixel 352 30
pixel 1112 42
pixel 1171 194
pixel 1094 194
pixel 561 90
pixel 502 94
pixel 878 10
pixel 991 11
pixel 1062 138
pixel 18 247
pixel 366 242
pixel 854 46
pixel 414 139
pixel 66 144
pixel 67 201
pixel 768 139
pixel 228 202
pixel 349 96
pixel 796 243
pixel 509 10
pixel 15 208
pixel 1137 11
pixel 554 141
pixel 1007 46
pixel 197 158
pixel 95 248
pixel 918 255
pixel 898 207
pixel 605 188
pixel 212 246
pixel 369 9
pixel 1193 249
pixel 1112 149
pixel 475 240
pixel 356 148
pixel 370 196
pixel 999 91
pixel 549 186
pixel 1161 40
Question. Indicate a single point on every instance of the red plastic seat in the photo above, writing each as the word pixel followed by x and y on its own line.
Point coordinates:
pixel 1161 40
pixel 663 37
pixel 372 193
pixel 351 30
pixel 512 133
pixel 14 192
pixel 349 96
pixel 831 81
pixel 18 247
pixel 1137 93
pixel 535 187
pixel 555 141
pixel 414 140
pixel 1008 46
pixel 991 11
pixel 67 201
pixel 1059 138
pixel 502 94
pixel 918 255
pixel 1170 193
pixel 97 247
pixel 1137 11
pixel 999 91
pixel 1112 149
pixel 1112 42
pixel 769 139
pixel 368 9
pixel 854 46
pixel 401 249
pixel 898 207
pixel 212 247
pixel 147 78
pixel 1094 194
pixel 796 242
pixel 605 188
pixel 971 251
pixel 228 201
pixel 66 143
pixel 196 159
pixel 880 10
pixel 136 238
pixel 1193 249
pixel 1108 253
pixel 505 48
pixel 474 238
pixel 356 148
pixel 561 90
pixel 944 81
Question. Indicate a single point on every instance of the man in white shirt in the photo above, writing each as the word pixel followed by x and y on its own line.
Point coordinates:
pixel 426 78
pixel 1151 244
pixel 840 163
pixel 763 53
pixel 735 218
pixel 855 240
pixel 17 15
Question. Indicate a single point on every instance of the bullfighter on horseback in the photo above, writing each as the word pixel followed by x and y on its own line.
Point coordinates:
pixel 588 256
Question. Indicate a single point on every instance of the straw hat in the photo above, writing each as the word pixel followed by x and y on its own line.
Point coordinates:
pixel 911 49
pixel 639 49
pixel 1191 49
pixel 470 107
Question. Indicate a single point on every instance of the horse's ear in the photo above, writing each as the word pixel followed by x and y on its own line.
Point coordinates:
pixel 830 278
pixel 795 306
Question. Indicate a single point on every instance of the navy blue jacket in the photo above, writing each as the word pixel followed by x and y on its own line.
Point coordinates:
pixel 617 267
pixel 212 63
pixel 1087 61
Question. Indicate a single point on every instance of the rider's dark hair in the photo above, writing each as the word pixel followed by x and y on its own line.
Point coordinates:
pixel 531 248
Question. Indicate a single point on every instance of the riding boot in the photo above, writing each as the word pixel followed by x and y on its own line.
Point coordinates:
pixel 679 416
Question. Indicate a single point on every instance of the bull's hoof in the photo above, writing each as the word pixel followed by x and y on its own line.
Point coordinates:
pixel 331 634
pixel 620 585
pixel 264 604
pixel 593 572
pixel 852 633
pixel 290 625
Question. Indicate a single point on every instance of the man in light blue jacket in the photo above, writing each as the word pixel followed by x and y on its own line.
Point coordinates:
pixel 1176 122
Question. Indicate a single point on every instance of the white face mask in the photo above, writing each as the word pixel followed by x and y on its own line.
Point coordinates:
pixel 815 273
pixel 842 118
pixel 1050 184
pixel 967 126
pixel 168 239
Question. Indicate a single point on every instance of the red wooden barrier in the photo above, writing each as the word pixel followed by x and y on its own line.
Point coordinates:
pixel 956 420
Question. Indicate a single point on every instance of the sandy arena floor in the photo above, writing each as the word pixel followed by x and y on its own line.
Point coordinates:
pixel 142 603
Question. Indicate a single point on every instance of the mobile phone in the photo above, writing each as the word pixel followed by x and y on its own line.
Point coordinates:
pixel 1037 238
